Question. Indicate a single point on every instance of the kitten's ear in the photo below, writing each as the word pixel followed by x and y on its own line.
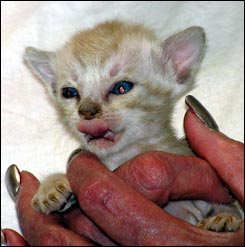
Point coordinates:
pixel 42 64
pixel 184 51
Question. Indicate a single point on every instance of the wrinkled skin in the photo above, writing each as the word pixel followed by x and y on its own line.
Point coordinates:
pixel 123 207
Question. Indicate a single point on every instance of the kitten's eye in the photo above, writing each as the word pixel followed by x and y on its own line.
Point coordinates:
pixel 69 92
pixel 122 87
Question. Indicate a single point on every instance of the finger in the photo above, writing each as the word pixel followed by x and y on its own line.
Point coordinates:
pixel 12 238
pixel 157 186
pixel 94 186
pixel 40 229
pixel 80 223
pixel 161 177
pixel 224 154
pixel 125 215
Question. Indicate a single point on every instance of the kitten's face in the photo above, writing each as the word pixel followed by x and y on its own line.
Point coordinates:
pixel 115 85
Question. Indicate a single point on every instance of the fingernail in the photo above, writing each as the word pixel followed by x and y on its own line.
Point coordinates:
pixel 201 112
pixel 3 239
pixel 75 152
pixel 12 179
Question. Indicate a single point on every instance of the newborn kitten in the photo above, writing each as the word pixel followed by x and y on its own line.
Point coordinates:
pixel 115 86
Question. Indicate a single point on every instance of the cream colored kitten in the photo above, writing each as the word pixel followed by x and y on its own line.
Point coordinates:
pixel 115 86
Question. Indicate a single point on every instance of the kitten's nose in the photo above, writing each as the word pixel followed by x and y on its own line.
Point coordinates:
pixel 90 110
pixel 91 114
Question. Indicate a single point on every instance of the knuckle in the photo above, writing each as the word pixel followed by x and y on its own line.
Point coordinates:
pixel 151 175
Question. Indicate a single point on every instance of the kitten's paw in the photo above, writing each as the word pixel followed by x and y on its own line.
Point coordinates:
pixel 222 223
pixel 54 194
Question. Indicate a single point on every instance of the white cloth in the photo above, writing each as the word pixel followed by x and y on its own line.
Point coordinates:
pixel 32 136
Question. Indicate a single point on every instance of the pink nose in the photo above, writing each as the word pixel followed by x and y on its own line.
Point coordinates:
pixel 95 127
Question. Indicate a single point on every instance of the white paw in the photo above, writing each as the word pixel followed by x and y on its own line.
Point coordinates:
pixel 54 194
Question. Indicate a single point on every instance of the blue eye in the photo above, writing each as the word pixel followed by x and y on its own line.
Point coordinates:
pixel 122 87
pixel 69 92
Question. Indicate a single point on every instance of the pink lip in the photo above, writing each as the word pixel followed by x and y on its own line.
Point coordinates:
pixel 95 127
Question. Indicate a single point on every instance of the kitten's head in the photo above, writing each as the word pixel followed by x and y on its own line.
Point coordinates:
pixel 115 85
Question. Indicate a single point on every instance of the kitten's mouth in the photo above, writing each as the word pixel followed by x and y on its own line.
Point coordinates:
pixel 98 134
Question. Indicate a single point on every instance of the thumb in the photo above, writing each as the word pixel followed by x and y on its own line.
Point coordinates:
pixel 225 155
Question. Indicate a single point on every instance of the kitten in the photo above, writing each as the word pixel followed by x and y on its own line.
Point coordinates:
pixel 115 86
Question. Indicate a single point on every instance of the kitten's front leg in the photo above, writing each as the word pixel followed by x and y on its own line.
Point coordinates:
pixel 54 194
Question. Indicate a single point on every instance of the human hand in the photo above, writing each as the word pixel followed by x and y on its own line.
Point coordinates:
pixel 160 177
pixel 127 216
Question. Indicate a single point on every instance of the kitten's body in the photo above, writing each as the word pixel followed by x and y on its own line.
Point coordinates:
pixel 115 86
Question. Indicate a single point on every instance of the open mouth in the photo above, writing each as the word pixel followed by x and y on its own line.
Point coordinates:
pixel 104 140
pixel 107 135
